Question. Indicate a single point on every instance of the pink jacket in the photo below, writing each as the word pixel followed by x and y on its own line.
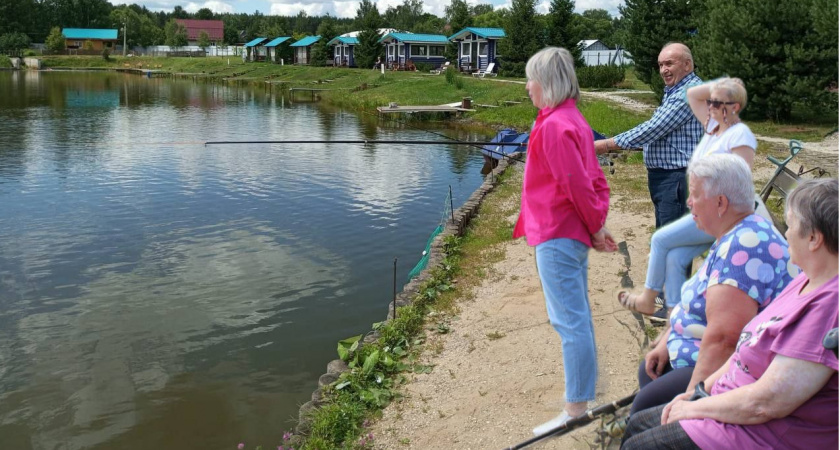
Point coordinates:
pixel 564 192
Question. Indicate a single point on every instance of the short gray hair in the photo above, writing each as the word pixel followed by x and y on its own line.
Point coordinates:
pixel 728 175
pixel 814 204
pixel 553 68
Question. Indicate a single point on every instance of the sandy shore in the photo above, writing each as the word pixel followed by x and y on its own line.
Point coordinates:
pixel 499 372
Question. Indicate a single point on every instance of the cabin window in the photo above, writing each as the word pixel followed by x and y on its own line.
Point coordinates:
pixel 437 50
pixel 418 50
pixel 337 50
pixel 402 50
pixel 465 51
pixel 482 49
pixel 390 50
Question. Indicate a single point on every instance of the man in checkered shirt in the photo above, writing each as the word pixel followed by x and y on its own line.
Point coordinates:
pixel 668 138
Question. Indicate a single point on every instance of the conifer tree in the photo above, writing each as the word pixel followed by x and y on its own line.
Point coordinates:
pixel 523 38
pixel 321 52
pixel 784 53
pixel 368 22
pixel 653 23
pixel 560 29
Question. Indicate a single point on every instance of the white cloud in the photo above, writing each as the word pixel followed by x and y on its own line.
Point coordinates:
pixel 292 9
pixel 610 5
pixel 212 5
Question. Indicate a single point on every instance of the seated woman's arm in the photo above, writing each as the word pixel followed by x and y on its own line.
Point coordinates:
pixel 728 309
pixel 785 386
pixel 745 152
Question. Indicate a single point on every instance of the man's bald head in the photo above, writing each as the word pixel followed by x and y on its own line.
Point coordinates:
pixel 675 62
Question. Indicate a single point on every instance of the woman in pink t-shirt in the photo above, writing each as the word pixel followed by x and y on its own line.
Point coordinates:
pixel 565 198
pixel 779 388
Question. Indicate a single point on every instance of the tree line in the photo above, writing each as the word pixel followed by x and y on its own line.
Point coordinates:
pixel 786 52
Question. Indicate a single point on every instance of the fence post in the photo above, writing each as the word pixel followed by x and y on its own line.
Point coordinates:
pixel 395 289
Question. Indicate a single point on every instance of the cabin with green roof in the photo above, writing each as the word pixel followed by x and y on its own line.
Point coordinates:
pixel 477 47
pixel 100 39
pixel 303 49
pixel 343 50
pixel 400 48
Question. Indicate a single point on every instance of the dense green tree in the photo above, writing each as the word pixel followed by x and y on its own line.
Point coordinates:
pixel 204 14
pixel 561 16
pixel 203 40
pixel 149 33
pixel 481 8
pixel 404 16
pixel 594 24
pixel 368 21
pixel 176 34
pixel 55 40
pixel 653 23
pixel 321 52
pixel 125 17
pixel 179 13
pixel 784 54
pixel 429 24
pixel 492 19
pixel 523 37
pixel 13 44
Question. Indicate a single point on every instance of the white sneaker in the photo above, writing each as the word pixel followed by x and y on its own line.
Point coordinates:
pixel 552 424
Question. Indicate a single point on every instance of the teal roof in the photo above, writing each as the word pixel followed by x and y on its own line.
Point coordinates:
pixel 344 40
pixel 486 33
pixel 417 38
pixel 277 41
pixel 306 42
pixel 89 33
pixel 256 42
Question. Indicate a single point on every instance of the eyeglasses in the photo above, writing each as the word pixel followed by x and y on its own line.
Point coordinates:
pixel 716 104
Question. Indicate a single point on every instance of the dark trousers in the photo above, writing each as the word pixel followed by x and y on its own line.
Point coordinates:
pixel 668 191
pixel 662 390
pixel 645 431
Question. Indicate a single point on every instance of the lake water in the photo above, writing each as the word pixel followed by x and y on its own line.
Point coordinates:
pixel 157 293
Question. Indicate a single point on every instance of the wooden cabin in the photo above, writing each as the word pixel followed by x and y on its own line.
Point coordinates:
pixel 477 47
pixel 278 48
pixel 75 38
pixel 343 50
pixel 255 49
pixel 303 49
pixel 402 48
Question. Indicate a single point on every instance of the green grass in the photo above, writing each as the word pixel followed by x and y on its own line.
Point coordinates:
pixel 609 119
pixel 631 81
pixel 814 130
pixel 5 62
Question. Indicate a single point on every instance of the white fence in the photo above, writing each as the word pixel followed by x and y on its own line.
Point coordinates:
pixel 162 50
pixel 606 57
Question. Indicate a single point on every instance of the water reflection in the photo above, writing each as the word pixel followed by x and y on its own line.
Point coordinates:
pixel 158 293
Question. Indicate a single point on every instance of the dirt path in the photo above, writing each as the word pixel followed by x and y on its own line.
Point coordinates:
pixel 499 372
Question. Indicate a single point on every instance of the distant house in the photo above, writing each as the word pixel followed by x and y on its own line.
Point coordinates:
pixel 596 53
pixel 215 30
pixel 477 47
pixel 303 49
pixel 417 48
pixel 343 50
pixel 254 50
pixel 278 48
pixel 75 38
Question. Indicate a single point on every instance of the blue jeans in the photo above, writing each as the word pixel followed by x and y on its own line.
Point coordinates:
pixel 562 265
pixel 668 191
pixel 672 249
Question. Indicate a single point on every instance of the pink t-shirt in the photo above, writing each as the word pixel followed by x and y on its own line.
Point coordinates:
pixel 792 325
pixel 564 191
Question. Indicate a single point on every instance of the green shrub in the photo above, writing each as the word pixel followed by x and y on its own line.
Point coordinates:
pixel 424 67
pixel 30 53
pixel 599 76
pixel 450 74
pixel 106 54
pixel 512 69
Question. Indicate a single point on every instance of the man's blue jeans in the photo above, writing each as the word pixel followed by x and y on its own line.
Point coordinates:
pixel 563 267
pixel 668 191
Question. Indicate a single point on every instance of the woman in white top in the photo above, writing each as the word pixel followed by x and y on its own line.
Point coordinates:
pixel 673 247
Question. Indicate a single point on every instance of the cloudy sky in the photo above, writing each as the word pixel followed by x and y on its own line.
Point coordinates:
pixel 337 8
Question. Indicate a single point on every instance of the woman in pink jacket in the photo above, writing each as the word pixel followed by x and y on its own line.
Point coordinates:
pixel 565 199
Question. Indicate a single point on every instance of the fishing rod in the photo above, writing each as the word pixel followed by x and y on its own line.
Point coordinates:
pixel 370 141
pixel 579 421
pixel 404 123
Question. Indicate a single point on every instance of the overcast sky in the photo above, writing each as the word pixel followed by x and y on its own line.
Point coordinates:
pixel 339 8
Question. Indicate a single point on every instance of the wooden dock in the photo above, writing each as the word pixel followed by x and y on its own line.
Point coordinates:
pixel 421 109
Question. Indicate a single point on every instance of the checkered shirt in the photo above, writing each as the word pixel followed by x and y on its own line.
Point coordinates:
pixel 669 137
